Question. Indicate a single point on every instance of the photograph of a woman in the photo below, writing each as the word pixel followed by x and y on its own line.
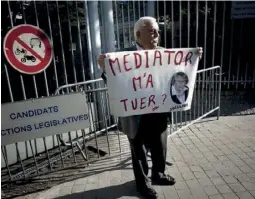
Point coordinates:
pixel 178 88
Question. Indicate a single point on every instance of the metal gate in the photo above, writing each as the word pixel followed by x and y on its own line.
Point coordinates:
pixel 77 42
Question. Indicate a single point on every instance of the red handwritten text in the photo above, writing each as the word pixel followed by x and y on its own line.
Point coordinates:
pixel 142 59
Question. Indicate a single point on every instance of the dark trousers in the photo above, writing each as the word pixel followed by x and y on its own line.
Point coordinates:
pixel 149 137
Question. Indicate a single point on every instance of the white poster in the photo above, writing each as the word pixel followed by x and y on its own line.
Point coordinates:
pixel 151 81
pixel 36 118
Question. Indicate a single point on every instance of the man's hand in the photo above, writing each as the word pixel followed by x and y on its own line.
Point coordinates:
pixel 200 52
pixel 100 61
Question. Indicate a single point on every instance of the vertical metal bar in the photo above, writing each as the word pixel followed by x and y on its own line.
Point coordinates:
pixel 71 42
pixel 253 82
pixel 93 121
pixel 239 57
pixel 144 8
pixel 230 56
pixel 54 60
pixel 188 22
pixel 6 160
pixel 46 149
pixel 219 93
pixel 117 23
pixel 32 150
pixel 245 76
pixel 180 23
pixel 133 12
pixel 165 23
pixel 157 11
pixel 70 140
pixel 21 162
pixel 197 18
pixel 61 156
pixel 104 121
pixel 199 96
pixel 123 23
pixel 139 9
pixel 205 39
pixel 61 44
pixel 213 49
pixel 44 72
pixel 216 87
pixel 51 38
pixel 172 45
pixel 89 45
pixel 172 20
pixel 84 143
pixel 8 82
pixel 223 34
pixel 129 34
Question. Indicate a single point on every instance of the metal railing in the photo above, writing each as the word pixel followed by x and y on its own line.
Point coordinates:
pixel 102 139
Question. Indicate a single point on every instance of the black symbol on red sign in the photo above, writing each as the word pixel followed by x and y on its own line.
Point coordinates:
pixel 18 51
pixel 28 49
pixel 35 42
pixel 28 57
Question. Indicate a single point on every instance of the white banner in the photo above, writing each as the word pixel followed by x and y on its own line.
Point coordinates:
pixel 35 118
pixel 151 81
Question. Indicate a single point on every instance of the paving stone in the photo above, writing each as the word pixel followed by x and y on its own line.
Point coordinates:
pixel 216 197
pixel 249 186
pixel 188 176
pixel 205 182
pixel 217 181
pixel 180 185
pixel 212 174
pixel 224 189
pixel 211 190
pixel 245 195
pixel 185 194
pixel 229 179
pixel 230 196
pixel 245 169
pixel 237 187
pixel 198 193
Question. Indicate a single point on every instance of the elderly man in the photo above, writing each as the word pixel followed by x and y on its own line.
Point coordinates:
pixel 146 131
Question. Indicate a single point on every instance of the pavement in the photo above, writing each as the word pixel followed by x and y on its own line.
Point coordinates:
pixel 212 159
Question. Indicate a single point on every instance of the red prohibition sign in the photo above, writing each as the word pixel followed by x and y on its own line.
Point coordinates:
pixel 35 46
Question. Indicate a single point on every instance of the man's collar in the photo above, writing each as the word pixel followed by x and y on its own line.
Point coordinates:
pixel 138 47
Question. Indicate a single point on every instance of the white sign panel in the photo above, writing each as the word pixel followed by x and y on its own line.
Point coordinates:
pixel 26 120
pixel 243 9
pixel 151 81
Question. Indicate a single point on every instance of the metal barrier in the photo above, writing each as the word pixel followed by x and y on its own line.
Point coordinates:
pixel 206 100
pixel 88 145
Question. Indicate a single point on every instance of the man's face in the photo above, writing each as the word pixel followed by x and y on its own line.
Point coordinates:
pixel 148 35
pixel 179 83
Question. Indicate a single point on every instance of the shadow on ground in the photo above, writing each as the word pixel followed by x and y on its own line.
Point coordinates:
pixel 113 192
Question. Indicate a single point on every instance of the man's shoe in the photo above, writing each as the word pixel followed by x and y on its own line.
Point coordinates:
pixel 163 180
pixel 148 192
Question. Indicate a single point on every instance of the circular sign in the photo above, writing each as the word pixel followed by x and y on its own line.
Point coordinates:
pixel 28 49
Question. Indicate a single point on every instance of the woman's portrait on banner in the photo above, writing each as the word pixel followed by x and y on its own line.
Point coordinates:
pixel 179 90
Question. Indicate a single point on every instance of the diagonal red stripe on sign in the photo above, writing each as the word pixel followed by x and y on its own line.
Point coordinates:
pixel 22 43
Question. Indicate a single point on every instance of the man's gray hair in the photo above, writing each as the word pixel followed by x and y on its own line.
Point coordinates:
pixel 141 23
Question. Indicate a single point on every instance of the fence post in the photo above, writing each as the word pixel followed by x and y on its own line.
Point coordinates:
pixel 95 38
pixel 108 26
pixel 108 37
pixel 150 11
